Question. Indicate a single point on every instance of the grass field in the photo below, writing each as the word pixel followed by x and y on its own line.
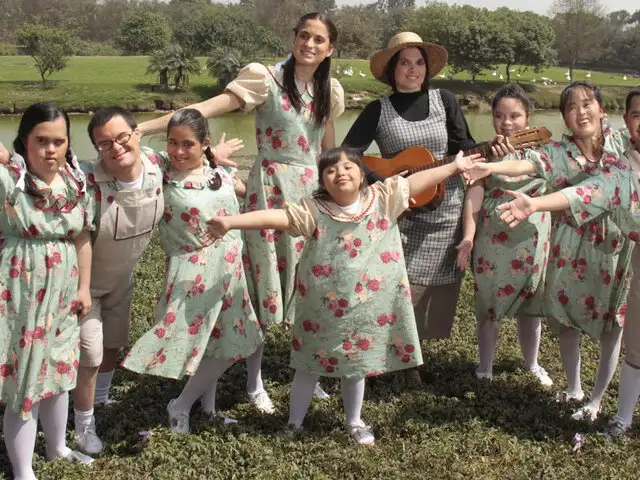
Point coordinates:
pixel 90 82
pixel 455 427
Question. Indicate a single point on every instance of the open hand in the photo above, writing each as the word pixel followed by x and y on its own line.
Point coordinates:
pixel 4 155
pixel 477 172
pixel 464 164
pixel 83 302
pixel 464 249
pixel 517 209
pixel 217 227
pixel 225 148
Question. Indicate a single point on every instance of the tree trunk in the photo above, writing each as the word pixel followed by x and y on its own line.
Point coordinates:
pixel 508 68
pixel 571 65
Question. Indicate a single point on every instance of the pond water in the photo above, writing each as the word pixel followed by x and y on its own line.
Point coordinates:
pixel 242 126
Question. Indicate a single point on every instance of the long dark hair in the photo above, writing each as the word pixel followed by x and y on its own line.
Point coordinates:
pixel 39 113
pixel 515 91
pixel 198 124
pixel 321 77
pixel 390 71
pixel 329 158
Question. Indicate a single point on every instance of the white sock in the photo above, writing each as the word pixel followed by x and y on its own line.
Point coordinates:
pixel 205 378
pixel 529 332
pixel 487 331
pixel 103 385
pixel 53 418
pixel 82 419
pixel 609 353
pixel 302 388
pixel 570 353
pixel 352 398
pixel 254 371
pixel 628 393
pixel 20 440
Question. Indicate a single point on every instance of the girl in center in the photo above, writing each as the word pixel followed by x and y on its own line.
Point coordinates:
pixel 353 299
pixel 205 319
pixel 508 266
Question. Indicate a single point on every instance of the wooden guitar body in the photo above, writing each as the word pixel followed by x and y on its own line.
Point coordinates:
pixel 409 159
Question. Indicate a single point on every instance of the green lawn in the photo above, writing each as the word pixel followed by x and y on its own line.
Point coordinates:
pixel 90 82
pixel 455 427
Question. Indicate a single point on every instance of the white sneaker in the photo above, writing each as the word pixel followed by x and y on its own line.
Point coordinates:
pixel 362 434
pixel 542 376
pixel 587 413
pixel 178 421
pixel 88 439
pixel 483 375
pixel 262 402
pixel 319 393
pixel 75 456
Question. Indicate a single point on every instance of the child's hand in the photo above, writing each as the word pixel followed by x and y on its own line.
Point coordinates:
pixel 83 302
pixel 4 155
pixel 464 164
pixel 500 146
pixel 224 149
pixel 477 172
pixel 464 249
pixel 516 210
pixel 218 227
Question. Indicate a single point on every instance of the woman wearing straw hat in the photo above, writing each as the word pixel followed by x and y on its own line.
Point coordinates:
pixel 413 115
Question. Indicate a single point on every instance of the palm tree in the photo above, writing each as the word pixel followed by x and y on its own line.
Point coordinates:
pixel 224 64
pixel 173 59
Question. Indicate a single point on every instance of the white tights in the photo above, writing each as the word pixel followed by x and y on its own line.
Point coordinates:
pixel 529 332
pixel 20 435
pixel 609 353
pixel 302 392
pixel 203 384
pixel 254 371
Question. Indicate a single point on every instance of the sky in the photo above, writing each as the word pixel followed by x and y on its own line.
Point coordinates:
pixel 538 6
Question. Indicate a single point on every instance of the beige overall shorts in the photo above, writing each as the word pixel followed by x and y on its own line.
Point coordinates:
pixel 127 221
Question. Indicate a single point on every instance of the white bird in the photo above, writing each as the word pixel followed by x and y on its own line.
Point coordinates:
pixel 361 74
pixel 511 70
pixel 588 75
pixel 501 77
pixel 624 78
pixel 442 75
pixel 338 69
pixel 494 73
pixel 518 75
pixel 348 72
pixel 534 80
pixel 568 73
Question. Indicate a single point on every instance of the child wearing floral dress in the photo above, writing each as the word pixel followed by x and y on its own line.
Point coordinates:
pixel 205 319
pixel 353 303
pixel 45 269
pixel 508 267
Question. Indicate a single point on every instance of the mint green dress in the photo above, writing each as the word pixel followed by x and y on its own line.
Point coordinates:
pixel 509 264
pixel 353 309
pixel 39 332
pixel 205 309
pixel 589 262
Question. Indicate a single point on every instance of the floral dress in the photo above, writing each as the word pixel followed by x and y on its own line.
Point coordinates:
pixel 205 309
pixel 509 264
pixel 284 171
pixel 354 316
pixel 589 272
pixel 39 330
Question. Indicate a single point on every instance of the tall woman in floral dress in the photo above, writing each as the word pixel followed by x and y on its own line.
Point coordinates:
pixel 44 283
pixel 204 321
pixel 508 266
pixel 589 272
pixel 295 108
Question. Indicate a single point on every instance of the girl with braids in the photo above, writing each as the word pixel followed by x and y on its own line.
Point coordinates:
pixel 44 285
pixel 295 108
pixel 508 266
pixel 205 321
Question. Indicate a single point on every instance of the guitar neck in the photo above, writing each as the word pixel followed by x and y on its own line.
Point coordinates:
pixel 484 150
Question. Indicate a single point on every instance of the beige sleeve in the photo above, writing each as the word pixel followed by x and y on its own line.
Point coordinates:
pixel 302 218
pixel 337 99
pixel 251 86
pixel 394 194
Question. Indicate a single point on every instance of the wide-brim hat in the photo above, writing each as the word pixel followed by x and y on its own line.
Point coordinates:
pixel 436 55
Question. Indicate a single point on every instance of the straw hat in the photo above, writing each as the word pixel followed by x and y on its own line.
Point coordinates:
pixel 436 55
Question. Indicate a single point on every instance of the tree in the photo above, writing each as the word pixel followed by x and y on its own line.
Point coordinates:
pixel 576 23
pixel 173 59
pixel 224 64
pixel 142 32
pixel 49 47
pixel 360 28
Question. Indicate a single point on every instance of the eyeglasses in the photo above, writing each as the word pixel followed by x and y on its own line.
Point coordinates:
pixel 121 140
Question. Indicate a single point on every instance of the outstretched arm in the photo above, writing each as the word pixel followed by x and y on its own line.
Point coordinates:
pixel 522 206
pixel 510 168
pixel 418 182
pixel 223 103
pixel 274 219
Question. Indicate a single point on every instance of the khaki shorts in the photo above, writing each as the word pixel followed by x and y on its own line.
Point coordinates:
pixel 435 309
pixel 107 325
pixel 631 330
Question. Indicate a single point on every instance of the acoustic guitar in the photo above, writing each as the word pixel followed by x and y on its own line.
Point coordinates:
pixel 417 159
